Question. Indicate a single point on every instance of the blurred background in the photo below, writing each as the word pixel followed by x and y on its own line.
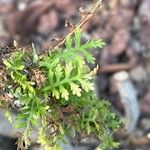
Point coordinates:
pixel 124 74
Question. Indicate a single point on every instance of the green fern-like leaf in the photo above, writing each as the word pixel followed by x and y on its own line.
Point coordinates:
pixel 55 93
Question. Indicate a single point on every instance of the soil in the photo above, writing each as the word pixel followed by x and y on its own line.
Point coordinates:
pixel 125 27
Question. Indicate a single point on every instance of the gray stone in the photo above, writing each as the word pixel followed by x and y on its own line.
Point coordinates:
pixel 144 11
pixel 145 123
pixel 138 74
pixel 128 96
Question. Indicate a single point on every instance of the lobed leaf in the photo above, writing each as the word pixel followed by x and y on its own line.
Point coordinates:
pixel 76 90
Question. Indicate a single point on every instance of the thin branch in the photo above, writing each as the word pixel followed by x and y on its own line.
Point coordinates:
pixel 83 21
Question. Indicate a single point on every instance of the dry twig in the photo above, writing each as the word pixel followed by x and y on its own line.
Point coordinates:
pixel 82 22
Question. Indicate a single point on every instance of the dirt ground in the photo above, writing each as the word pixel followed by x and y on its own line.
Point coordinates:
pixel 125 27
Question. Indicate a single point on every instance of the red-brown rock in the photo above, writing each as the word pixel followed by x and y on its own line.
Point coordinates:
pixel 145 34
pixel 121 18
pixel 47 22
pixel 128 3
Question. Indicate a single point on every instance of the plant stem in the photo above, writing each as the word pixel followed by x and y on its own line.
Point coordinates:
pixel 80 24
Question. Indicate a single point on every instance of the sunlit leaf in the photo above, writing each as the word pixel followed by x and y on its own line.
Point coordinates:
pixel 64 93
pixel 76 90
pixel 69 42
pixel 68 69
pixel 77 37
pixel 8 116
pixel 55 93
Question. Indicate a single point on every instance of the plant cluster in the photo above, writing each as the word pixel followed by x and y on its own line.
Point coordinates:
pixel 54 93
